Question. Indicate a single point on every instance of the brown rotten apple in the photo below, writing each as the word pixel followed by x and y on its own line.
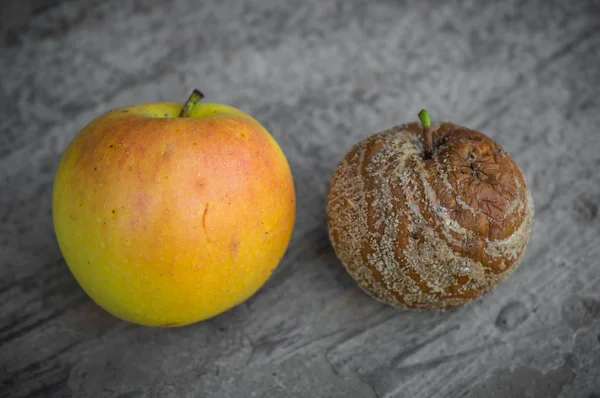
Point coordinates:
pixel 428 216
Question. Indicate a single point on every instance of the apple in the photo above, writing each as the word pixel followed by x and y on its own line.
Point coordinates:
pixel 428 216
pixel 167 214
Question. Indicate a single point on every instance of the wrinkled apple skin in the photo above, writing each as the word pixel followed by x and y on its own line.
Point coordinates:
pixel 166 221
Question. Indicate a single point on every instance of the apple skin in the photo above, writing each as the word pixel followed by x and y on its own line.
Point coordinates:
pixel 166 221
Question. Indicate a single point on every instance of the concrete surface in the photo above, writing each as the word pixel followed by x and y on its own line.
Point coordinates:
pixel 16 13
pixel 319 75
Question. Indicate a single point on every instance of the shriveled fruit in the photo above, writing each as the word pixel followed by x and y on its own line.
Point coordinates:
pixel 428 216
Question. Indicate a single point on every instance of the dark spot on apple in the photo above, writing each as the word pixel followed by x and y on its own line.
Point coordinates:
pixel 473 170
pixel 165 114
pixel 194 143
pixel 267 232
pixel 111 146
pixel 95 168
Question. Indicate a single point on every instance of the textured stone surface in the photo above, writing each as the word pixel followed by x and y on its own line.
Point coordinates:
pixel 320 75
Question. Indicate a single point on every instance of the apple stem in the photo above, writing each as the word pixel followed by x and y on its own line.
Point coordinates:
pixel 194 97
pixel 427 136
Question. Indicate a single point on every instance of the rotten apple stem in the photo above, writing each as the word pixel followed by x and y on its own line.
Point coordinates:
pixel 427 135
pixel 190 103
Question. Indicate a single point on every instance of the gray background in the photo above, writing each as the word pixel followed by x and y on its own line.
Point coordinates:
pixel 320 75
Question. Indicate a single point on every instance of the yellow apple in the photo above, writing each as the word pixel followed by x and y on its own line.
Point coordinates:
pixel 168 214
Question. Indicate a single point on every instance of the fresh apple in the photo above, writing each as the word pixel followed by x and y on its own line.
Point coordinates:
pixel 168 214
